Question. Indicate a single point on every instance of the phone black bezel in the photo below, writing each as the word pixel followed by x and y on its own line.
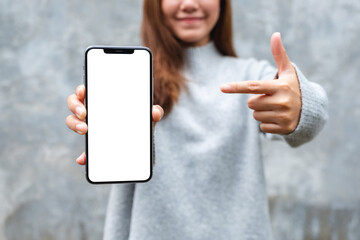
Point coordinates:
pixel 126 48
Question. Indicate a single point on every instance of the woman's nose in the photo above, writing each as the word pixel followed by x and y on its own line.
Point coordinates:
pixel 189 5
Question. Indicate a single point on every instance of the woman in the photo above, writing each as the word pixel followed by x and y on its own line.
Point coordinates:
pixel 208 181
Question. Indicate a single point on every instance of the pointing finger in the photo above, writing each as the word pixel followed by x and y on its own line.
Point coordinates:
pixel 252 86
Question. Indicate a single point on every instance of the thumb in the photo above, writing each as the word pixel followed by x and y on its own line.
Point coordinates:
pixel 157 114
pixel 278 51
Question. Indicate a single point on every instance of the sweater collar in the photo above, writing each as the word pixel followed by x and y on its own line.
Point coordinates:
pixel 201 53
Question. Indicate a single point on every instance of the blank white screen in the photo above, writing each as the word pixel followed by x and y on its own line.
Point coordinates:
pixel 118 101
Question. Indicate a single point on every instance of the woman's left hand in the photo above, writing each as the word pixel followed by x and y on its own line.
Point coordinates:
pixel 277 103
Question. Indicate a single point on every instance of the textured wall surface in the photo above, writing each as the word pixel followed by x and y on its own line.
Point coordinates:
pixel 313 190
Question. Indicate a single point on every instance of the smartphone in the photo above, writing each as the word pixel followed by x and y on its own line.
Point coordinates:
pixel 119 93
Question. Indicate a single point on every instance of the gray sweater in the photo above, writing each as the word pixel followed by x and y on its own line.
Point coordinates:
pixel 208 181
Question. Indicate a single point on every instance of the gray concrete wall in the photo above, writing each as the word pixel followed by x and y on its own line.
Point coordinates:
pixel 313 190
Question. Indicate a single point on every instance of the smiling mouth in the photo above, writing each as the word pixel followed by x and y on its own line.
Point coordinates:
pixel 191 19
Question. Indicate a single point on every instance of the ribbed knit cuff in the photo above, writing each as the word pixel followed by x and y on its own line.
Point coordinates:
pixel 313 112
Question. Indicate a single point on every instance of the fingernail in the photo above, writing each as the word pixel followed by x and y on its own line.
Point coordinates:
pixel 78 158
pixel 226 87
pixel 79 111
pixel 80 127
pixel 159 111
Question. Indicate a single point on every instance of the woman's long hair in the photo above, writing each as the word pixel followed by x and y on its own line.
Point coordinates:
pixel 168 50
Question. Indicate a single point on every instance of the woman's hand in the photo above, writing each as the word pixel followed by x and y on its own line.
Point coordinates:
pixel 76 121
pixel 277 104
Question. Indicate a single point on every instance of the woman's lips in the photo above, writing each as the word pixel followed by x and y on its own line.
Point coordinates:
pixel 190 19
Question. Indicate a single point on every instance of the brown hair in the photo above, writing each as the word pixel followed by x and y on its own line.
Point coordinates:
pixel 168 50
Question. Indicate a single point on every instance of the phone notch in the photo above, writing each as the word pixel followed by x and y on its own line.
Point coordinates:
pixel 118 51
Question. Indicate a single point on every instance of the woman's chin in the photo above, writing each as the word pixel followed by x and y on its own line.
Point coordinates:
pixel 192 41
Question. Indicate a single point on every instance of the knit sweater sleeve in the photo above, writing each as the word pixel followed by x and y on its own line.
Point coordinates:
pixel 314 113
pixel 118 215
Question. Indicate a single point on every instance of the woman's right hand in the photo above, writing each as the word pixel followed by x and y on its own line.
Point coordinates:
pixel 76 121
